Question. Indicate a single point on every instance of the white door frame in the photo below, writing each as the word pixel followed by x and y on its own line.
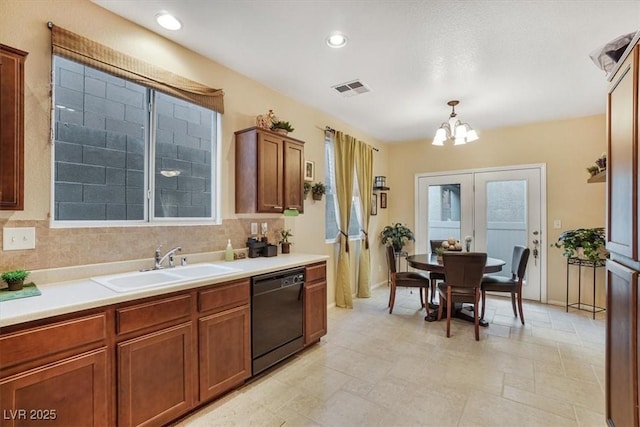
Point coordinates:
pixel 421 231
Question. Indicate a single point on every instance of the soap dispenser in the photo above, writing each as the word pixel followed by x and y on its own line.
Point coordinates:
pixel 228 253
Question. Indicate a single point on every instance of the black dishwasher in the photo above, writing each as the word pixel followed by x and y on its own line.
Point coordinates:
pixel 277 310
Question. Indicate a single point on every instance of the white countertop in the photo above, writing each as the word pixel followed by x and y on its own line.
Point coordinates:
pixel 64 297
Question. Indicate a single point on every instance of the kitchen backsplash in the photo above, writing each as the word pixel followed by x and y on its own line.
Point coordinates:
pixel 65 247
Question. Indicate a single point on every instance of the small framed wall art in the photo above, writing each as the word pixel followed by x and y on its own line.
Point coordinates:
pixel 309 170
pixel 383 200
pixel 374 204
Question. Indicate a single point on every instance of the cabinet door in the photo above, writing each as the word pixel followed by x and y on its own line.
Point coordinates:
pixel 60 394
pixel 225 351
pixel 315 312
pixel 155 374
pixel 293 175
pixel 622 168
pixel 621 358
pixel 11 128
pixel 270 173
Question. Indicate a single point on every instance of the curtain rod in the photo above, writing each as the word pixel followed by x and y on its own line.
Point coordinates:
pixel 332 130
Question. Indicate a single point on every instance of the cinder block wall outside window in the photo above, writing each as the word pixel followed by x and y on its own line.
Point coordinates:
pixel 100 149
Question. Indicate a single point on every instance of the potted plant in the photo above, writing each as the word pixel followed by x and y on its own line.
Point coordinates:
pixel 307 189
pixel 396 234
pixel 593 170
pixel 583 242
pixel 15 279
pixel 317 190
pixel 282 127
pixel 439 251
pixel 285 233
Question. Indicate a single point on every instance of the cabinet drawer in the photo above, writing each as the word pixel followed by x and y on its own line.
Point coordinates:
pixel 316 272
pixel 224 297
pixel 42 342
pixel 153 313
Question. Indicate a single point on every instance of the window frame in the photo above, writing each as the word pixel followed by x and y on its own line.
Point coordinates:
pixel 149 217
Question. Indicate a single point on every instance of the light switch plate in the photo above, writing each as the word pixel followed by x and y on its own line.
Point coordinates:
pixel 14 239
pixel 557 224
pixel 254 228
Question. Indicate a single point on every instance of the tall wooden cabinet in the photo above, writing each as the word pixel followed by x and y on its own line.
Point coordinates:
pixel 623 175
pixel 269 172
pixel 11 128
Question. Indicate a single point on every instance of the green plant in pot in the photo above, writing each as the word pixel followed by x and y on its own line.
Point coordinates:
pixel 396 235
pixel 15 279
pixel 306 188
pixel 282 127
pixel 285 233
pixel 593 170
pixel 317 190
pixel 589 242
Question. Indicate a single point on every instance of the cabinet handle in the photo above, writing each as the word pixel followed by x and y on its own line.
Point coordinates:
pixel 277 207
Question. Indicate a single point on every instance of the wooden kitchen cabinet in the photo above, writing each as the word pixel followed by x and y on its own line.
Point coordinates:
pixel 269 172
pixel 61 394
pixel 155 360
pixel 623 268
pixel 155 373
pixel 315 303
pixel 11 128
pixel 56 374
pixel 224 338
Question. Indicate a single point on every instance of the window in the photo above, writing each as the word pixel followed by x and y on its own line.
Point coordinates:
pixel 331 207
pixel 125 152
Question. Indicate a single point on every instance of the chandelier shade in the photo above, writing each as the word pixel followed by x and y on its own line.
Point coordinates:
pixel 454 130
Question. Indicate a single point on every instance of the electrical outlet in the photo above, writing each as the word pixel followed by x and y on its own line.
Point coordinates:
pixel 557 224
pixel 14 239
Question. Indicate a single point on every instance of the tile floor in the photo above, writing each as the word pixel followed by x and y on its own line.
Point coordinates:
pixel 377 369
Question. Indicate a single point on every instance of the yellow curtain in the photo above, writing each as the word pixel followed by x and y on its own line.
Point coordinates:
pixel 344 153
pixel 80 49
pixel 364 170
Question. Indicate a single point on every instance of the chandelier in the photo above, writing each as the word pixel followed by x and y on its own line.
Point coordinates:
pixel 454 129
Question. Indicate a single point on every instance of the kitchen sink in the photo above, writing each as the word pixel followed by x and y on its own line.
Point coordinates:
pixel 203 270
pixel 127 282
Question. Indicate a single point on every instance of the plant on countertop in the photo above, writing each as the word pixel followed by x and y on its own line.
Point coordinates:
pixel 317 190
pixel 15 278
pixel 591 240
pixel 396 235
pixel 285 233
pixel 280 124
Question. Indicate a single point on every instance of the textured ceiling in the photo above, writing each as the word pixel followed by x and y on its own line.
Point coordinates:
pixel 509 62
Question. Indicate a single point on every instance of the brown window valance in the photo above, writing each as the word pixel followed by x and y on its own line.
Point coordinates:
pixel 80 49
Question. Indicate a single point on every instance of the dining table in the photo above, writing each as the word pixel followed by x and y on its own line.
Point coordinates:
pixel 429 262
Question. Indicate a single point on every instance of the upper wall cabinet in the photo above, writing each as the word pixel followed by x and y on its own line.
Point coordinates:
pixel 11 128
pixel 622 171
pixel 269 172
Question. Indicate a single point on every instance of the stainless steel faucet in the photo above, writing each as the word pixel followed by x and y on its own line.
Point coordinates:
pixel 160 258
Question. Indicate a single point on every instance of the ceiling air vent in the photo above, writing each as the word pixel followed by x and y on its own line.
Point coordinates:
pixel 352 88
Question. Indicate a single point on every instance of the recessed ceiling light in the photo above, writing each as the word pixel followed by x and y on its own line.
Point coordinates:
pixel 168 21
pixel 336 40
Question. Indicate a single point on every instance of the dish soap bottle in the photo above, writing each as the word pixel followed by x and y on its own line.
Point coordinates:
pixel 228 253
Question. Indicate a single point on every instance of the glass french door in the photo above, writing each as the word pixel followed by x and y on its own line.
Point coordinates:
pixel 498 208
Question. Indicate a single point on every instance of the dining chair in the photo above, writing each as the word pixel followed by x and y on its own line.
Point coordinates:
pixel 435 277
pixel 463 276
pixel 512 284
pixel 405 278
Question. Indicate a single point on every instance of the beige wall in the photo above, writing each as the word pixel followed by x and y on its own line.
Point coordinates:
pixel 567 147
pixel 23 25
